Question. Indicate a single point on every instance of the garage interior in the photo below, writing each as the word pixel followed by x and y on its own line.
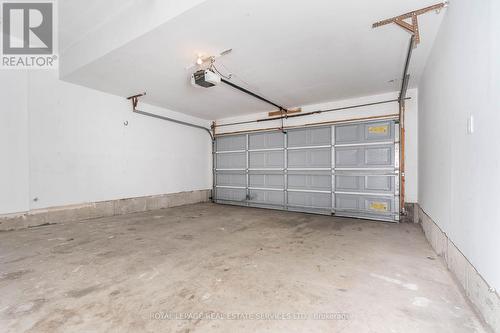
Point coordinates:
pixel 254 166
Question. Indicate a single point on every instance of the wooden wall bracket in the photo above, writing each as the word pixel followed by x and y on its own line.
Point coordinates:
pixel 412 27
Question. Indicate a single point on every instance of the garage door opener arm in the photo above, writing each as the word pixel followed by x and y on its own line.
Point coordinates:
pixel 135 102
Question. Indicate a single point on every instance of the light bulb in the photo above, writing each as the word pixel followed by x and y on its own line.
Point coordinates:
pixel 199 61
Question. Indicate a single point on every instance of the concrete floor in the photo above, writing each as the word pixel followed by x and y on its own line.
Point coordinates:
pixel 131 272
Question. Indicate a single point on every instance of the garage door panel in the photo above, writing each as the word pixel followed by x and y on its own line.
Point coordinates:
pixel 364 133
pixel 384 207
pixel 231 194
pixel 231 161
pixel 228 178
pixel 380 183
pixel 317 136
pixel 266 180
pixel 231 142
pixel 266 140
pixel 274 198
pixel 347 202
pixel 347 134
pixel 316 181
pixel 266 159
pixel 364 156
pixel 378 205
pixel 310 200
pixel 320 158
pixel 383 184
pixel 309 158
pixel 348 183
pixel 379 156
pixel 380 131
pixel 347 157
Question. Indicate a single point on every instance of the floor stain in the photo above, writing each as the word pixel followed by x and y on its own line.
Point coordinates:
pixel 66 248
pixel 184 293
pixel 41 225
pixel 114 293
pixel 15 275
pixel 184 237
pixel 17 259
pixel 54 321
pixel 240 229
pixel 77 293
pixel 26 308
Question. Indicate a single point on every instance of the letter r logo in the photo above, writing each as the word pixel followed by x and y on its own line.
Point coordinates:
pixel 27 28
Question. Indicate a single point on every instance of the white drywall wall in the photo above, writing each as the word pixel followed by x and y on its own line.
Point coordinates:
pixel 79 150
pixel 459 172
pixel 411 157
pixel 13 141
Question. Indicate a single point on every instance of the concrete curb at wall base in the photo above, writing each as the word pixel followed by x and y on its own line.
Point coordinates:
pixel 410 216
pixel 485 300
pixel 101 209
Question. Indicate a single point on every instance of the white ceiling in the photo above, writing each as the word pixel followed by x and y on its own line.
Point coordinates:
pixel 77 18
pixel 294 53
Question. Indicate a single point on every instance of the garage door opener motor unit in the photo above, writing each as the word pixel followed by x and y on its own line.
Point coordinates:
pixel 205 78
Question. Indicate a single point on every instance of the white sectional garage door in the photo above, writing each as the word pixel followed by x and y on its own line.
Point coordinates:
pixel 347 170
